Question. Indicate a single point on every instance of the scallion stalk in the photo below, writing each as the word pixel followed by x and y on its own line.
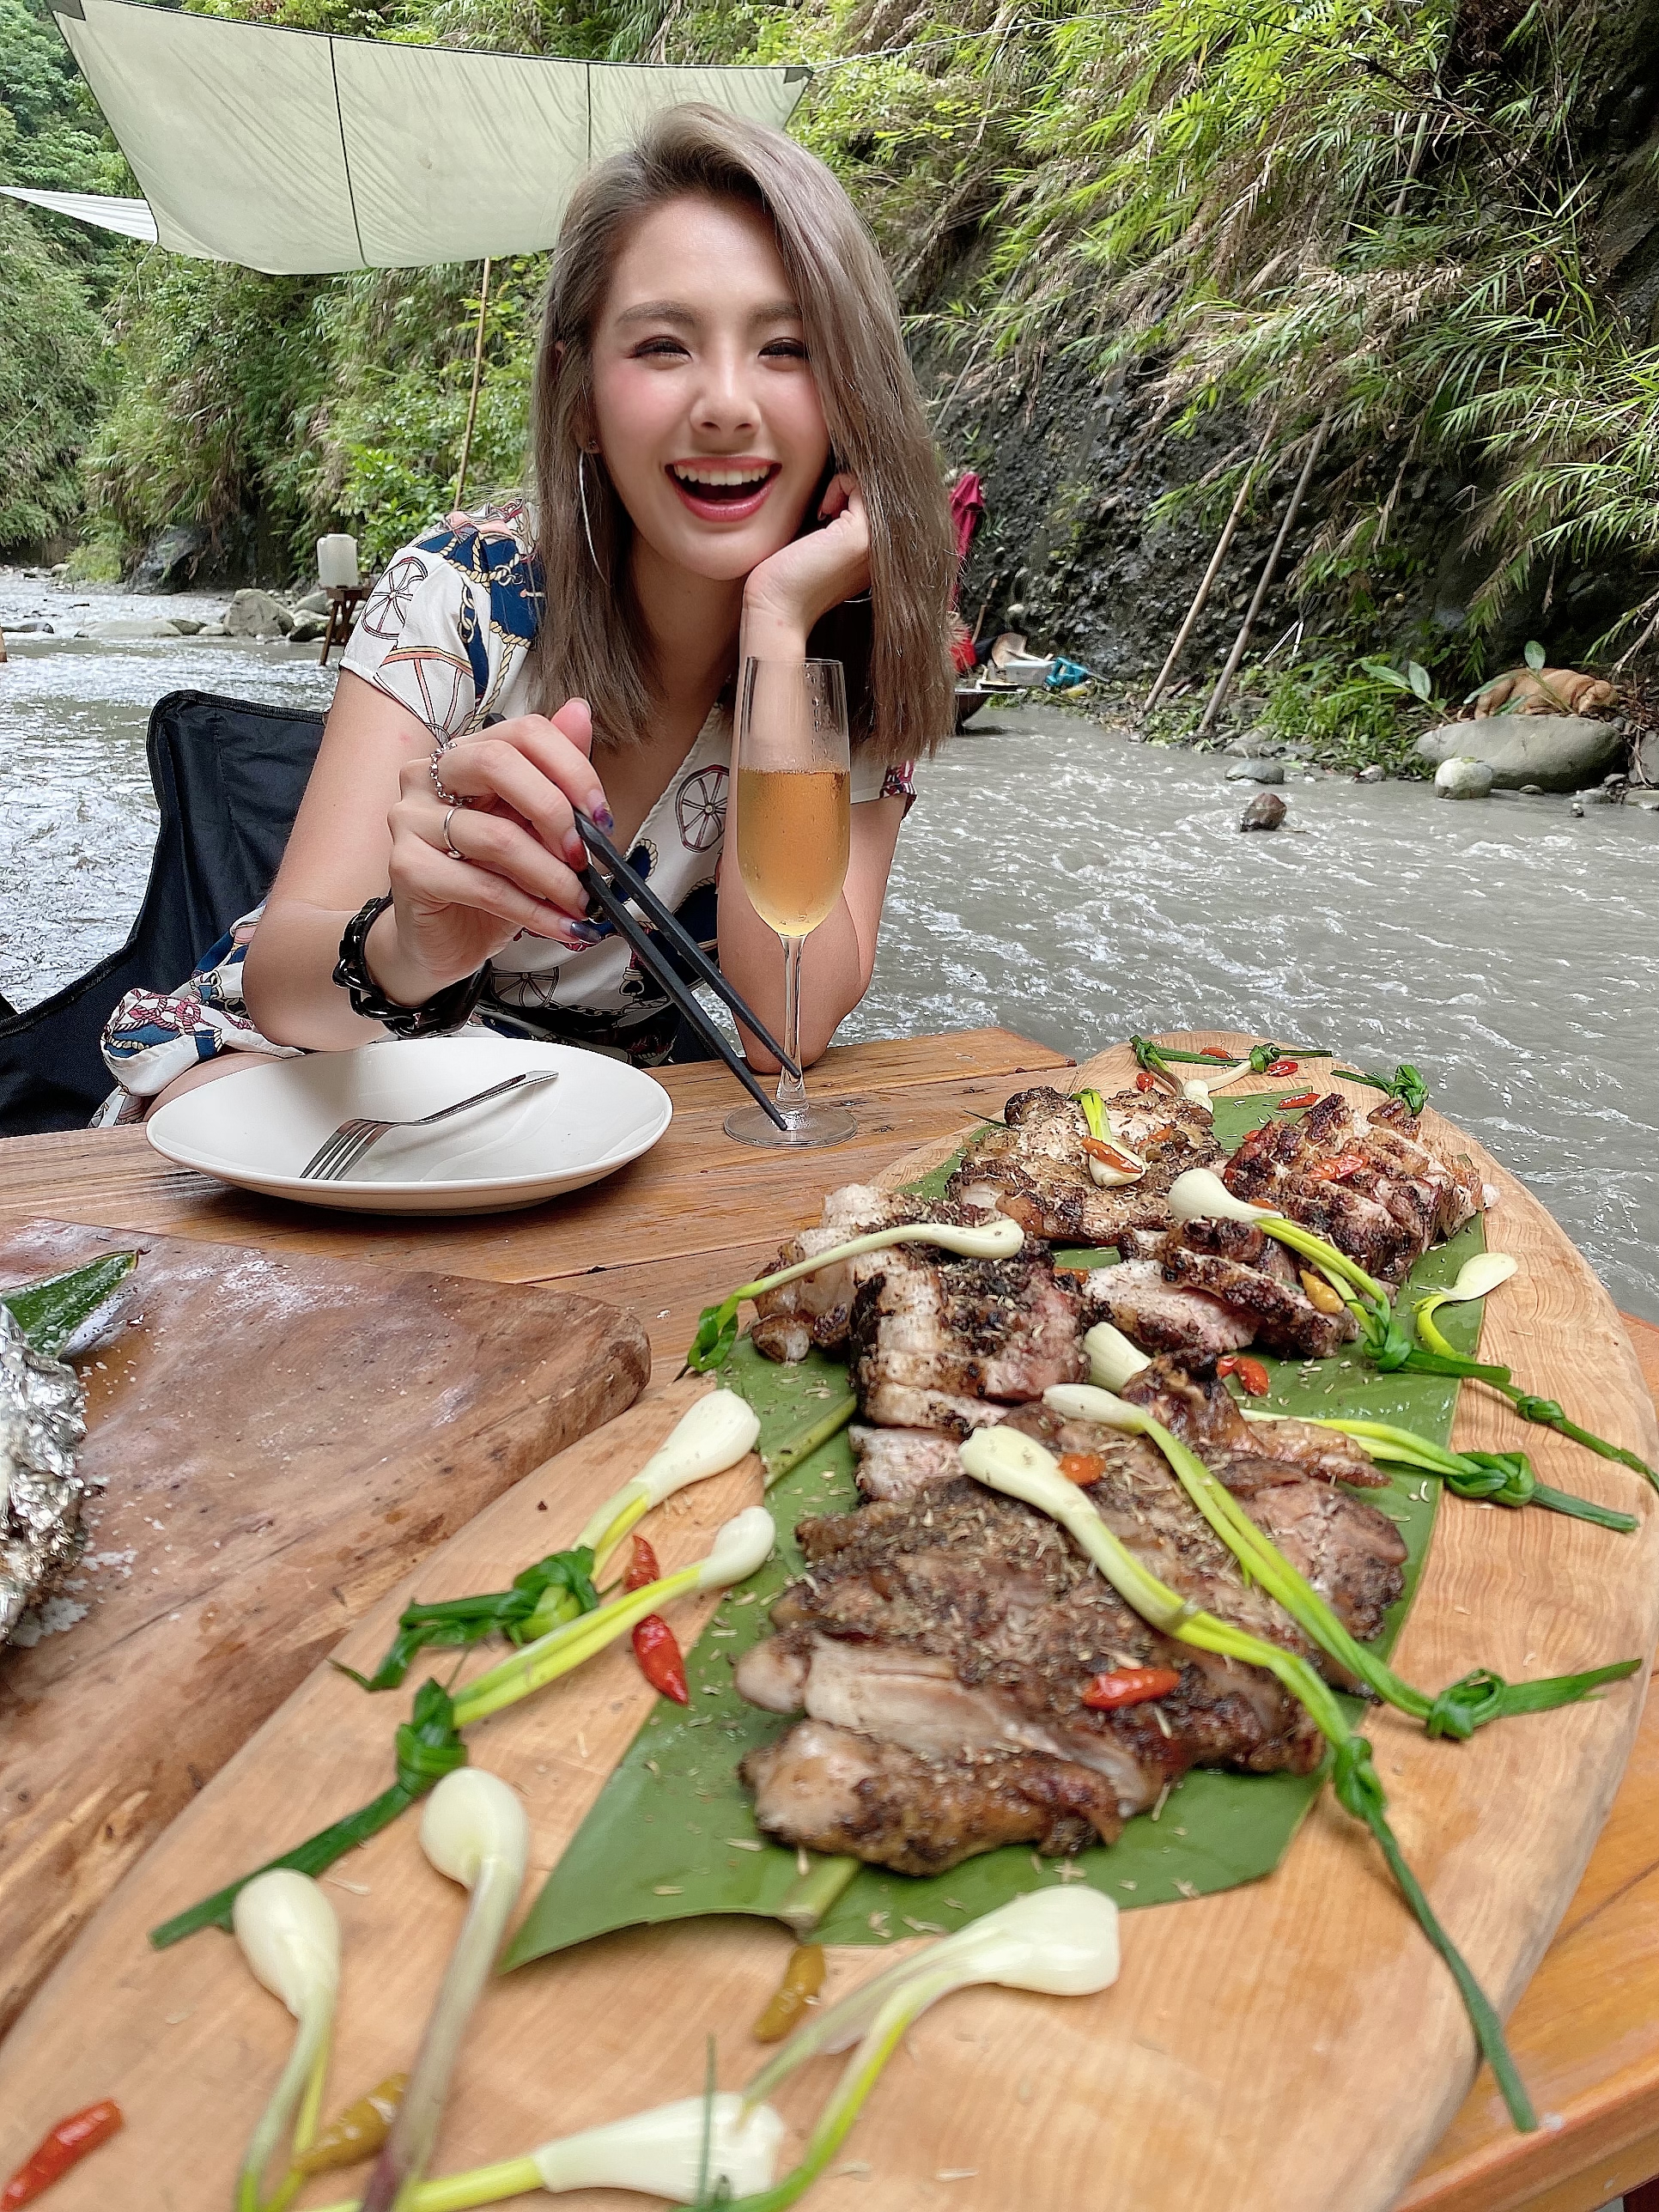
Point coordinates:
pixel 1017 1464
pixel 288 1935
pixel 1463 1706
pixel 717 1326
pixel 475 1830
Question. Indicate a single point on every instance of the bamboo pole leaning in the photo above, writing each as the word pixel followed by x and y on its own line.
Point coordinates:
pixel 1264 584
pixel 477 372
pixel 1201 596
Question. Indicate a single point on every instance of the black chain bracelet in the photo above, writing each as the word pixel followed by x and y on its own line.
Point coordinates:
pixel 447 1009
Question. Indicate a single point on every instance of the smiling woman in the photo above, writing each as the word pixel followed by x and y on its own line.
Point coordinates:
pixel 731 461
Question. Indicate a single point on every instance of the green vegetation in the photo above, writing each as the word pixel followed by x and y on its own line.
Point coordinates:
pixel 1399 218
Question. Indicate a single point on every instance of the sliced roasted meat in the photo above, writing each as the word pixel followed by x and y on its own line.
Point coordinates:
pixel 897 1462
pixel 944 1343
pixel 828 1789
pixel 1281 1316
pixel 1035 1170
pixel 1161 1315
pixel 1140 1498
pixel 1201 1288
pixel 815 1310
pixel 1349 1552
pixel 957 1620
pixel 1371 1189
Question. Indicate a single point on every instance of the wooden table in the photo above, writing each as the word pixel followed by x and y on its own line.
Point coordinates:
pixel 698 1215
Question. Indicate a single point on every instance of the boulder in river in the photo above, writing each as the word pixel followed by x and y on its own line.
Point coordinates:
pixel 1461 777
pixel 256 614
pixel 1254 771
pixel 1264 812
pixel 1553 752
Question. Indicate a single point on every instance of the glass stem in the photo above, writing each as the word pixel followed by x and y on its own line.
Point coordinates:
pixel 791 1091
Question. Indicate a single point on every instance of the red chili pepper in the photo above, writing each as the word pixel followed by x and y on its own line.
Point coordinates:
pixel 1130 1685
pixel 1252 1375
pixel 1214 1052
pixel 1345 1163
pixel 1283 1067
pixel 69 2142
pixel 660 1659
pixel 1146 1081
pixel 642 1566
pixel 1082 1467
pixel 1302 1098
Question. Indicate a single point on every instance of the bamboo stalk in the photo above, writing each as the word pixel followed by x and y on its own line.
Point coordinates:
pixel 477 372
pixel 1201 596
pixel 1270 570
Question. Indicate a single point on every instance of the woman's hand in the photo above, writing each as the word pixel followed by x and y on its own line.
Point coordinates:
pixel 516 835
pixel 796 585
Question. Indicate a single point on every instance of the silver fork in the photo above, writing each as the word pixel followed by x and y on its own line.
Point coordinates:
pixel 336 1156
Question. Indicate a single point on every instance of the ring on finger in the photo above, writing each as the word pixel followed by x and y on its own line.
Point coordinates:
pixel 449 842
pixel 451 798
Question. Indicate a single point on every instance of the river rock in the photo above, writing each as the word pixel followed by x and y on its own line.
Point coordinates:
pixel 1553 753
pixel 1255 771
pixel 256 614
pixel 168 562
pixel 188 625
pixel 308 626
pixel 1460 777
pixel 1372 774
pixel 314 603
pixel 1264 812
pixel 125 630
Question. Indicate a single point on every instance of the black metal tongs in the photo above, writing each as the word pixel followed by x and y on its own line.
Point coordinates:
pixel 613 898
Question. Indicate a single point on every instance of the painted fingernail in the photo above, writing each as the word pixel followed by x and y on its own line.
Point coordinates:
pixel 574 851
pixel 578 935
pixel 603 816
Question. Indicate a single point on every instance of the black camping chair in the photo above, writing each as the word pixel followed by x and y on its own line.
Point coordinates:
pixel 229 777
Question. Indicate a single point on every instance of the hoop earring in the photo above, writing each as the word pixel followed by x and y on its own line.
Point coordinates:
pixel 587 527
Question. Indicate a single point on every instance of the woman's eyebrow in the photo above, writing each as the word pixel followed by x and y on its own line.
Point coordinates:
pixel 676 312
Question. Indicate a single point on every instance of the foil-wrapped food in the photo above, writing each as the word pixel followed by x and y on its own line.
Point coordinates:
pixel 42 1420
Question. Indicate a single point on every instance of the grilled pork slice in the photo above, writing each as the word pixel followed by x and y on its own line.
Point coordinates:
pixel 1140 1498
pixel 1372 1189
pixel 1201 1288
pixel 829 1790
pixel 942 1343
pixel 960 1621
pixel 1349 1552
pixel 790 1321
pixel 1035 1169
pixel 898 1463
pixel 1161 1315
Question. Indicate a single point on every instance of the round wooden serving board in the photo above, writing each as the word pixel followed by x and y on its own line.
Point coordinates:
pixel 1292 2046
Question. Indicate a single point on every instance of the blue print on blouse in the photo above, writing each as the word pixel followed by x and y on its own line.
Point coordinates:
pixel 508 570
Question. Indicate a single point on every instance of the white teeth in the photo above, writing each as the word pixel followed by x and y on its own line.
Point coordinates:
pixel 723 477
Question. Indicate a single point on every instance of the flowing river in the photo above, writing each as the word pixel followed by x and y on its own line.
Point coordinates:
pixel 1059 879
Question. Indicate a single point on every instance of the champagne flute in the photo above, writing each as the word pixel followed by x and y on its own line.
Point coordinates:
pixel 795 830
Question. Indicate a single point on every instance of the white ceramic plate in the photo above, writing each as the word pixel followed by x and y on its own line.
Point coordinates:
pixel 258 1129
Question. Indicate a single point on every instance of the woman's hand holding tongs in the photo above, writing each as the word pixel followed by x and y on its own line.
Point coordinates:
pixel 495 856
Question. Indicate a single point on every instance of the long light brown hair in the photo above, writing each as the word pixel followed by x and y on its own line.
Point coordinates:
pixel 592 643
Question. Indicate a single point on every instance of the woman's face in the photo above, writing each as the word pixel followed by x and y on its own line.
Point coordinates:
pixel 704 407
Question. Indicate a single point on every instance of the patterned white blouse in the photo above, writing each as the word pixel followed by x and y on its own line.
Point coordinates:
pixel 447 633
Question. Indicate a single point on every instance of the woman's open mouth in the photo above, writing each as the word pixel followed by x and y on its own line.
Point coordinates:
pixel 723 490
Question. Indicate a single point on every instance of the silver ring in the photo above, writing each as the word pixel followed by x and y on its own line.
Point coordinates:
pixel 449 842
pixel 449 797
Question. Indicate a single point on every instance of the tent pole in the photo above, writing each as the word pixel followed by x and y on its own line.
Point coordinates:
pixel 477 371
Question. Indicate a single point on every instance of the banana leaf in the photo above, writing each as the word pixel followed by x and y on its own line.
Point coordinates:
pixel 673 1835
pixel 52 1312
